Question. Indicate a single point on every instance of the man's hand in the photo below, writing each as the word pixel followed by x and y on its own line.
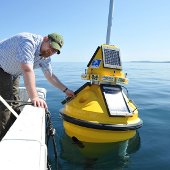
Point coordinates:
pixel 69 93
pixel 39 102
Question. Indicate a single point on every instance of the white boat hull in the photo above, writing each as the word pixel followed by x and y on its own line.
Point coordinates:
pixel 23 147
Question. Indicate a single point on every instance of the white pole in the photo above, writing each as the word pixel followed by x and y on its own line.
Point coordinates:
pixel 109 22
pixel 8 106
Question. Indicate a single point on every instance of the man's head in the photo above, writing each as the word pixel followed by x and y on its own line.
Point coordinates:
pixel 51 44
pixel 56 41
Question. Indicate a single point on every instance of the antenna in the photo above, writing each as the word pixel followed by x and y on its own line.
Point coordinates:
pixel 109 22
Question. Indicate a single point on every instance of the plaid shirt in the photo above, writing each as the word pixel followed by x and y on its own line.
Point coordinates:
pixel 22 48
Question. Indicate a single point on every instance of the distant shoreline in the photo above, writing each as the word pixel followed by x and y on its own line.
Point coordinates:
pixel 122 61
pixel 150 61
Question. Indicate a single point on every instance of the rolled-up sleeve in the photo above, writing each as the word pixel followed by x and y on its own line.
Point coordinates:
pixel 25 52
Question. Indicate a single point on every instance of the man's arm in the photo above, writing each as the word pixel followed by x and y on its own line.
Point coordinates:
pixel 29 80
pixel 57 83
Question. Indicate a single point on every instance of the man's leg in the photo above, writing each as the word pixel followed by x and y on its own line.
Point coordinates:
pixel 15 105
pixel 6 92
pixel 16 94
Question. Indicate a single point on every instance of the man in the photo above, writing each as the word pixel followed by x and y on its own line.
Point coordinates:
pixel 20 55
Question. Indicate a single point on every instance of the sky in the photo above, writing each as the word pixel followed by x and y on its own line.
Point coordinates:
pixel 140 28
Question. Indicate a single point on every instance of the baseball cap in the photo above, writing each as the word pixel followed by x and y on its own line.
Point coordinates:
pixel 57 41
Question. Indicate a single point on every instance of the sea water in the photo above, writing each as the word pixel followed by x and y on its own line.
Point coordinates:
pixel 149 88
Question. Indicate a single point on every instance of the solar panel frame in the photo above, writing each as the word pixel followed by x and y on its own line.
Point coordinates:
pixel 115 101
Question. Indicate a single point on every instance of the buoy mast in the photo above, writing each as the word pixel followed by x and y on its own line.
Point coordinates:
pixel 110 16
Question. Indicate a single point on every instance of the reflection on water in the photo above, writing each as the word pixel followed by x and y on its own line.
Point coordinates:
pixel 96 156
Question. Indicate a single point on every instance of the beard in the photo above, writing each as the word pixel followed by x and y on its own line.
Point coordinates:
pixel 45 54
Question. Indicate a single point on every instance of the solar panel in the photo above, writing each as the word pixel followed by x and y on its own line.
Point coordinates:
pixel 111 58
pixel 115 101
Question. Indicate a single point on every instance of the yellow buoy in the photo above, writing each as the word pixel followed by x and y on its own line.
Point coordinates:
pixel 101 112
